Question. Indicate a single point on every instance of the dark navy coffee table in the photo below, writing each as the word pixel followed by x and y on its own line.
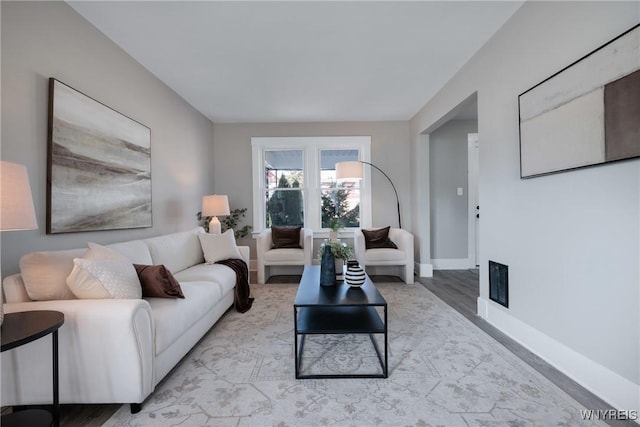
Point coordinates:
pixel 339 309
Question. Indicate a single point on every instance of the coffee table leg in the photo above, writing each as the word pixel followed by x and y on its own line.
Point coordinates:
pixel 386 345
pixel 56 401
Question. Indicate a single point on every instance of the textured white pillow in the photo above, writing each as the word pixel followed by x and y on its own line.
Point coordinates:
pixel 217 247
pixel 104 278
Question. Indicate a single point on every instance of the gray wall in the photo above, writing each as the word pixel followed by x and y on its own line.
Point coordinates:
pixel 571 240
pixel 49 39
pixel 448 169
pixel 389 151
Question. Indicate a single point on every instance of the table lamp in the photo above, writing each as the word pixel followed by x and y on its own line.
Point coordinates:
pixel 16 203
pixel 213 206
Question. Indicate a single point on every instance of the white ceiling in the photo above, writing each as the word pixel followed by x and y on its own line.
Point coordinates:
pixel 301 61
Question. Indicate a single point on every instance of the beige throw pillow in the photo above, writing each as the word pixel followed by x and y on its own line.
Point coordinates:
pixel 45 273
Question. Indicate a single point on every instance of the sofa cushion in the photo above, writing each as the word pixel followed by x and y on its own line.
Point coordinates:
pixel 378 255
pixel 176 251
pixel 135 251
pixel 45 274
pixel 224 276
pixel 285 237
pixel 97 251
pixel 158 282
pixel 217 247
pixel 172 317
pixel 104 278
pixel 284 255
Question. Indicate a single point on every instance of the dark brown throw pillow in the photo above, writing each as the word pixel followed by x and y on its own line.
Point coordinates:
pixel 157 281
pixel 378 239
pixel 285 237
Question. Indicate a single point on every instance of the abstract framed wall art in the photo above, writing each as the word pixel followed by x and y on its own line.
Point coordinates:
pixel 586 114
pixel 98 165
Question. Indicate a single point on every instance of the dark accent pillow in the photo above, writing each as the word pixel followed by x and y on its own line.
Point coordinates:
pixel 285 237
pixel 157 281
pixel 378 239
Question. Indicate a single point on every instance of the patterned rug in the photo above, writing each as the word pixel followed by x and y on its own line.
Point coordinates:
pixel 443 371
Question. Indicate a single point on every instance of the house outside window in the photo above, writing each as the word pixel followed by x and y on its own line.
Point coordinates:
pixel 295 182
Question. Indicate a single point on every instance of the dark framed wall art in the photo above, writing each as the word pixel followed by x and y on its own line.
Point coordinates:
pixel 98 165
pixel 586 114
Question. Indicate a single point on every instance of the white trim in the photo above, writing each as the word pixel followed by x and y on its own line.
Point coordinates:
pixel 473 199
pixel 611 387
pixel 450 264
pixel 426 270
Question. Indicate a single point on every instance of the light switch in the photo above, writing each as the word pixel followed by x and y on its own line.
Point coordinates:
pixel 459 191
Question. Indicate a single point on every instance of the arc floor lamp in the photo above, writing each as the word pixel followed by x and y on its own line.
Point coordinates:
pixel 353 170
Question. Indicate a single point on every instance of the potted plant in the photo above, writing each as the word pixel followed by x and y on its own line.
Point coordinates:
pixel 334 227
pixel 341 252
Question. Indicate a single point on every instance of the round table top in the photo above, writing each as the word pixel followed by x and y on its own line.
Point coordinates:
pixel 23 327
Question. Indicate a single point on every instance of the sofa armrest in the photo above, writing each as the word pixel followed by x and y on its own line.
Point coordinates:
pixel 263 244
pixel 13 289
pixel 307 239
pixel 359 247
pixel 244 252
pixel 402 238
pixel 106 354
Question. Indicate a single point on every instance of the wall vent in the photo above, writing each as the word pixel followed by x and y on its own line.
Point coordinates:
pixel 499 283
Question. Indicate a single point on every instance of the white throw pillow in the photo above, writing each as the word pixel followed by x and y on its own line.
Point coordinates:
pixel 104 278
pixel 217 247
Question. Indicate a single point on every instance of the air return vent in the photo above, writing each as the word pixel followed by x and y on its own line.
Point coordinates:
pixel 499 283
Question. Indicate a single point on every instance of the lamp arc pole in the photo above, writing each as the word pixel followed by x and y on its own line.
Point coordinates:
pixel 392 186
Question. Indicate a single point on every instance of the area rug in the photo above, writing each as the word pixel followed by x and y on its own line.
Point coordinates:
pixel 443 371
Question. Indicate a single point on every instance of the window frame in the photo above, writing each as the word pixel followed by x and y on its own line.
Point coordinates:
pixel 311 147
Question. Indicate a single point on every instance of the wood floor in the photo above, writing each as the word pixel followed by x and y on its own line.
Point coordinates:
pixel 459 289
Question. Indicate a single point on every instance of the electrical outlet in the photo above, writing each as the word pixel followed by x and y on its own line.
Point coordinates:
pixel 459 191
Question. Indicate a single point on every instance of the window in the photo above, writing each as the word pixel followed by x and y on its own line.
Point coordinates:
pixel 338 200
pixel 284 181
pixel 295 182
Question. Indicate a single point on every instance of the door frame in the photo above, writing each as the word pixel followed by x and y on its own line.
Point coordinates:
pixel 473 199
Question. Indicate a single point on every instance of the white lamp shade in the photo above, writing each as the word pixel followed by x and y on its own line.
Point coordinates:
pixel 346 171
pixel 215 205
pixel 16 203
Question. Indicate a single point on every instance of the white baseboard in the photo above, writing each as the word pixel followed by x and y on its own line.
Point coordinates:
pixel 450 264
pixel 614 389
pixel 426 270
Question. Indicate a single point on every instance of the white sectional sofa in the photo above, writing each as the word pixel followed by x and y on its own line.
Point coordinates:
pixel 116 350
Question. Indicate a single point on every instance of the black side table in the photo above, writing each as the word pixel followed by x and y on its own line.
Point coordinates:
pixel 22 328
